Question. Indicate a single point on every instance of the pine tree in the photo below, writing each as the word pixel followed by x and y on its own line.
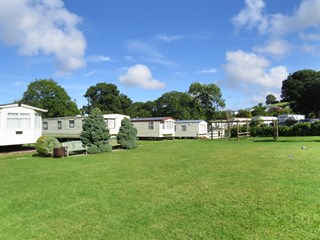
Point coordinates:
pixel 95 135
pixel 127 135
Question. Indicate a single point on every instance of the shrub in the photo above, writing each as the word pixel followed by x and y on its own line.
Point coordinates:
pixel 45 145
pixel 127 136
pixel 315 128
pixel 95 134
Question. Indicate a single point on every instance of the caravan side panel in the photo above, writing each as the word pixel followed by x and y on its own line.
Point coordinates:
pixel 18 126
pixel 64 127
pixel 147 129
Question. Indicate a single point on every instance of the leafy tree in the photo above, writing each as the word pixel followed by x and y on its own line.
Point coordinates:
pixel 302 90
pixel 223 115
pixel 207 98
pixel 127 135
pixel 141 109
pixel 47 94
pixel 95 134
pixel 244 114
pixel 270 99
pixel 178 105
pixel 259 110
pixel 107 98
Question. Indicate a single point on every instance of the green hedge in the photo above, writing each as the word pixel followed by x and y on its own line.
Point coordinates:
pixel 298 129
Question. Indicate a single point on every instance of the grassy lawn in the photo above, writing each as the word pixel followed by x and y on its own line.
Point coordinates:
pixel 181 189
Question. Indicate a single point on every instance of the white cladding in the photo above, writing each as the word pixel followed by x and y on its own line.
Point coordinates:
pixel 268 120
pixel 191 128
pixel 19 124
pixel 160 127
pixel 284 117
pixel 71 127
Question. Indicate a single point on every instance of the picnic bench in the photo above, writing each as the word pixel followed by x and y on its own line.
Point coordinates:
pixel 74 146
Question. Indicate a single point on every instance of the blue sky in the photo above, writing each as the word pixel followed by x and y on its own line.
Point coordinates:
pixel 149 47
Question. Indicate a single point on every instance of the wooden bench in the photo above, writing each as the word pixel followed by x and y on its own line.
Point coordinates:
pixel 74 146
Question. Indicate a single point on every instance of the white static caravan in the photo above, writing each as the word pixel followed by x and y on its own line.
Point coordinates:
pixel 284 117
pixel 218 129
pixel 113 122
pixel 71 127
pixel 191 129
pixel 19 124
pixel 268 120
pixel 241 121
pixel 154 127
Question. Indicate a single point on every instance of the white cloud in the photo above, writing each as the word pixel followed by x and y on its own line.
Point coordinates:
pixel 167 38
pixel 44 27
pixel 305 17
pixel 310 36
pixel 312 49
pixel 98 58
pixel 252 16
pixel 148 52
pixel 212 70
pixel 91 72
pixel 252 76
pixel 243 69
pixel 140 75
pixel 275 47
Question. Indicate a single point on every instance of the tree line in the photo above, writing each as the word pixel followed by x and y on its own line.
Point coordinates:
pixel 301 91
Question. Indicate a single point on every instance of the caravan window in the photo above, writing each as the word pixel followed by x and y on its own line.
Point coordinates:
pixel 45 125
pixel 203 127
pixel 183 128
pixel 16 120
pixel 71 123
pixel 169 125
pixel 59 125
pixel 111 123
pixel 150 125
pixel 37 121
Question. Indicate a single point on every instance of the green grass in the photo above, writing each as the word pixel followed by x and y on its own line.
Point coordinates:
pixel 181 189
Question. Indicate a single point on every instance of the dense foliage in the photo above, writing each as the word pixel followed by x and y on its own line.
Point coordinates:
pixel 95 135
pixel 178 105
pixel 270 99
pixel 298 129
pixel 47 94
pixel 107 98
pixel 127 136
pixel 302 90
pixel 207 99
pixel 45 145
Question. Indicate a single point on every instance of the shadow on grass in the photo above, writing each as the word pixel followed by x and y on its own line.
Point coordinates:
pixel 11 150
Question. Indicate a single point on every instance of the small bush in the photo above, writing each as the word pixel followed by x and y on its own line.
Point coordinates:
pixel 95 135
pixel 315 128
pixel 127 136
pixel 45 145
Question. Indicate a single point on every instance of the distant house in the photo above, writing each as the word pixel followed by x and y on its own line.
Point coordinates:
pixel 155 127
pixel 285 117
pixel 71 127
pixel 191 128
pixel 19 124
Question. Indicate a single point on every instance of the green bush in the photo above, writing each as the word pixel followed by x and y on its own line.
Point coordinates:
pixel 95 134
pixel 45 145
pixel 127 136
pixel 298 129
pixel 315 128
